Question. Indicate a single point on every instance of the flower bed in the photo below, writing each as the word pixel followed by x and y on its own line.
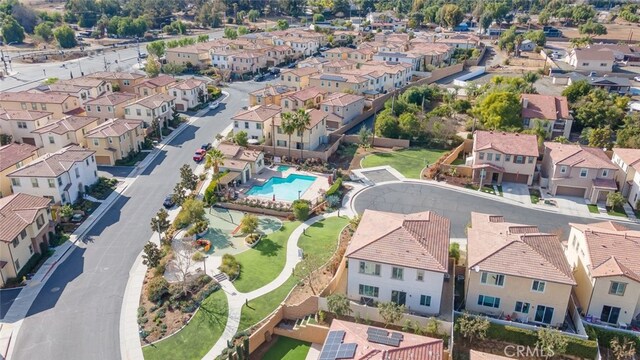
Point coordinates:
pixel 252 240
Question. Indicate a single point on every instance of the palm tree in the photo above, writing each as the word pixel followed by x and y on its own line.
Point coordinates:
pixel 302 121
pixel 215 158
pixel 288 126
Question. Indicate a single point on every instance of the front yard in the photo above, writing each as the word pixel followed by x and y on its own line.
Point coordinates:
pixel 408 162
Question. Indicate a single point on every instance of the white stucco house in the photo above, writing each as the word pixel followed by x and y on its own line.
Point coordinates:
pixel 61 176
pixel 399 258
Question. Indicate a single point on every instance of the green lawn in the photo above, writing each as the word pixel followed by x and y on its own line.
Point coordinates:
pixel 260 265
pixel 322 237
pixel 262 306
pixel 196 339
pixel 617 211
pixel 409 162
pixel 288 349
pixel 593 208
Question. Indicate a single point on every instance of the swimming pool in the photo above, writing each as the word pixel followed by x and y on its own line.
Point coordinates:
pixel 282 168
pixel 283 188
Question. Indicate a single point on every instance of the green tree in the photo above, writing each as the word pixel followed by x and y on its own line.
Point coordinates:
pixel 242 30
pixel 301 209
pixel 173 69
pixel 615 199
pixel 451 15
pixel 194 210
pixel 160 222
pixel 537 36
pixel 282 24
pixel 339 304
pixel 214 158
pixel 12 32
pixel 188 179
pixel 576 90
pixel 241 138
pixel 628 135
pixel 544 17
pixel 499 110
pixel 44 31
pixel 583 13
pixel 409 125
pixel 386 125
pixel 391 312
pixel 253 15
pixel 156 48
pixel 249 224
pixel 552 341
pixel 364 137
pixel 288 126
pixel 152 255
pixel 592 28
pixel 202 38
pixel 230 33
pixel 157 288
pixel 622 349
pixel 601 137
pixel 454 251
pixel 152 67
pixel 65 36
pixel 599 109
pixel 471 327
pixel 301 120
pixel 318 18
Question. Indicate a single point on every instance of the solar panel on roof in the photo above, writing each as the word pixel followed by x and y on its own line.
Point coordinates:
pixel 395 335
pixel 346 351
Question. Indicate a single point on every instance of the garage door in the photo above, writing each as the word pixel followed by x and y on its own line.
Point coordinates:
pixel 30 141
pixel 103 160
pixel 570 191
pixel 515 178
pixel 179 107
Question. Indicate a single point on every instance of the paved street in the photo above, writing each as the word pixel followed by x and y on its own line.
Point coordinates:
pixel 76 316
pixel 407 198
pixel 6 299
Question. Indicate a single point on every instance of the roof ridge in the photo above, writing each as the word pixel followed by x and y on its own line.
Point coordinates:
pixel 522 236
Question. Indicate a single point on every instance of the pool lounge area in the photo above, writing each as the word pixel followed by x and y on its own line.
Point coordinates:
pixel 285 183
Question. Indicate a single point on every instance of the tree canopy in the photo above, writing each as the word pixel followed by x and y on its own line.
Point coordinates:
pixel 499 110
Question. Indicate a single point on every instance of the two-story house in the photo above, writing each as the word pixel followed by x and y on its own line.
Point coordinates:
pixel 12 157
pixel 399 258
pixel 306 98
pixel 255 158
pixel 516 272
pixel 120 81
pixel 503 157
pixel 271 94
pixel 156 85
pixel 189 93
pixel 345 106
pixel 61 176
pixel 255 121
pixel 577 170
pixel 599 60
pixel 196 55
pixel 20 124
pixel 153 107
pixel 339 83
pixel 115 139
pixel 298 78
pixel 604 258
pixel 109 106
pixel 551 111
pixel 25 222
pixel 64 132
pixel 399 57
pixel 312 137
pixel 56 104
pixel 628 175
pixel 338 53
pixel 94 87
pixel 248 61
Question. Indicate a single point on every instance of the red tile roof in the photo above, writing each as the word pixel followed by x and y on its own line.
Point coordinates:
pixel 53 164
pixel 25 96
pixel 578 156
pixel 66 124
pixel 548 107
pixel 23 115
pixel 631 157
pixel 419 240
pixel 506 143
pixel 516 249
pixel 259 113
pixel 113 127
pixel 13 153
pixel 17 211
pixel 112 99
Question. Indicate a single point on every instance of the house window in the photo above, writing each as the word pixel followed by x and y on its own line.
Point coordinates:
pixel 538 286
pixel 522 307
pixel 149 112
pixel 59 181
pixel 246 124
pixel 138 112
pixel 563 169
pixel 96 142
pixel 519 159
pixel 34 182
pixel 420 275
pixel 425 300
pixel 22 125
pixel 498 157
pixel 15 182
pixel 17 263
pixel 610 314
pixel 507 157
pixel 525 122
pixel 52 183
pixel 368 290
pixel 489 156
pixel 617 288
pixel 488 301
pixel 369 268
pixel 259 126
pixel 77 173
pixel 98 108
pixel 40 221
pixel 88 107
pixel 126 111
pixel 15 242
pixel 603 64
pixel 235 124
pixel 544 314
pixel 30 249
pixel 481 156
pixel 605 172
pixel 531 158
pixel 23 106
pixel 397 273
pixel 584 173
pixel 52 140
pixel 492 279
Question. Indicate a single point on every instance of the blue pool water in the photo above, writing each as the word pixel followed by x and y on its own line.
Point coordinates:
pixel 282 168
pixel 283 188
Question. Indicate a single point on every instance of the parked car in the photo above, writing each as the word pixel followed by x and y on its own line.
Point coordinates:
pixel 637 78
pixel 258 78
pixel 274 70
pixel 214 105
pixel 292 65
pixel 168 201
pixel 206 147
pixel 324 48
pixel 143 55
pixel 199 155
pixel 593 74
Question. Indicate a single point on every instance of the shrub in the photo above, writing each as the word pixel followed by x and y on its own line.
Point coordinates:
pixel 333 201
pixel 301 209
pixel 157 288
pixel 198 256
pixel 230 266
pixel 210 196
pixel 334 188
pixel 199 227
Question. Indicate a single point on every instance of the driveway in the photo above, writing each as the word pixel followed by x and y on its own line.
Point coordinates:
pixel 115 171
pixel 457 205
pixel 516 192
pixel 378 176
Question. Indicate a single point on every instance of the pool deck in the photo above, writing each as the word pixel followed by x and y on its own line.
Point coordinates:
pixel 313 192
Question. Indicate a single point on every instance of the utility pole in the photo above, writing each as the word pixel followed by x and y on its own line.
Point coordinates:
pixel 4 61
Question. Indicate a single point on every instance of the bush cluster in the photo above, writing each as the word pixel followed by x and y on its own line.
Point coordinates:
pixel 230 266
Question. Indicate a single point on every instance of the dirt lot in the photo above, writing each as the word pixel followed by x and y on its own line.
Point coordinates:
pixel 617 31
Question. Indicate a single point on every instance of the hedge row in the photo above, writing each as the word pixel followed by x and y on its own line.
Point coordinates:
pixel 587 349
pixel 210 193
pixel 334 188
pixel 605 336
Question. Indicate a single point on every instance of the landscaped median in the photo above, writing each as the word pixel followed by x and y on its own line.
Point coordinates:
pixel 408 162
